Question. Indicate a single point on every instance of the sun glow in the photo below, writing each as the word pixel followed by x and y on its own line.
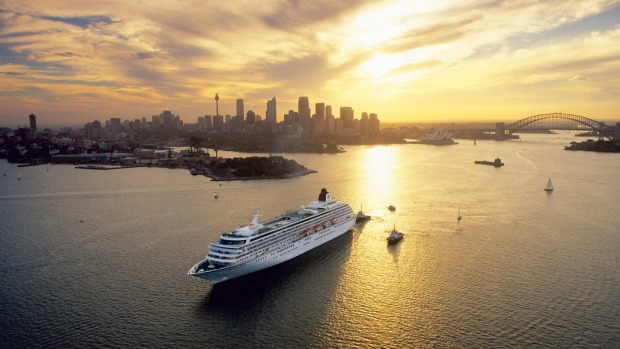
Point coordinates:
pixel 380 162
pixel 380 65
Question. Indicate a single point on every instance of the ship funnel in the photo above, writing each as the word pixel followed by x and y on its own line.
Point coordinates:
pixel 323 195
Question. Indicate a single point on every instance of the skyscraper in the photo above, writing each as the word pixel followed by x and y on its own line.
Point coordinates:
pixel 271 114
pixel 374 124
pixel 240 111
pixel 346 115
pixel 364 124
pixel 33 122
pixel 250 117
pixel 319 121
pixel 303 109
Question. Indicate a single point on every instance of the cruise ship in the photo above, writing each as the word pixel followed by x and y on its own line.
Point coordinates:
pixel 261 245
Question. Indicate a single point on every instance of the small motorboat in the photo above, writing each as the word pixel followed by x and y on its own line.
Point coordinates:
pixel 361 217
pixel 394 237
pixel 391 208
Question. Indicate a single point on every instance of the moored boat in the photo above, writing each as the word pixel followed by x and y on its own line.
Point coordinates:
pixel 261 245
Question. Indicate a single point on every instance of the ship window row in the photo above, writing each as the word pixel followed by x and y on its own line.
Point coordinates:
pixel 221 253
pixel 224 252
pixel 284 239
pixel 296 228
pixel 339 211
pixel 231 242
pixel 288 233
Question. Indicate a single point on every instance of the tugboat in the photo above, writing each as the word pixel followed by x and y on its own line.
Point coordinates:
pixel 361 217
pixel 394 237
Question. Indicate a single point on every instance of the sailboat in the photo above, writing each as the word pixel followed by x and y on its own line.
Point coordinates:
pixel 19 178
pixel 215 195
pixel 549 187
pixel 458 215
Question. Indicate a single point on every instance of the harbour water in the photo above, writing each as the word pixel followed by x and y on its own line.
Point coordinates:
pixel 93 259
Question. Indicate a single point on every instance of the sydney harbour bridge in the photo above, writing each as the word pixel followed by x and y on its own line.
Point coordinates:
pixel 557 121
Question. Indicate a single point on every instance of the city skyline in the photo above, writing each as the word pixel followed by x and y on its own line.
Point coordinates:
pixel 406 62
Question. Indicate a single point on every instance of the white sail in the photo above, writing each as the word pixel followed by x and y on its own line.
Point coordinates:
pixel 549 186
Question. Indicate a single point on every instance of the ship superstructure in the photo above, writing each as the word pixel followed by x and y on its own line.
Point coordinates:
pixel 260 245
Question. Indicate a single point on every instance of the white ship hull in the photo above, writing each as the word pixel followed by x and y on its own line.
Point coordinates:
pixel 271 258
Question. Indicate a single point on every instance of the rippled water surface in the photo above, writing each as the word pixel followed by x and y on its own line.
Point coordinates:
pixel 99 258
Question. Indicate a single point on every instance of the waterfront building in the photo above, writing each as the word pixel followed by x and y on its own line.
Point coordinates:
pixel 92 130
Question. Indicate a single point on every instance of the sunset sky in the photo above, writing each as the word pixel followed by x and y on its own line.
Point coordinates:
pixel 72 62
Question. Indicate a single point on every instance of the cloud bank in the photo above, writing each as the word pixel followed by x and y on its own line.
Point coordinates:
pixel 75 61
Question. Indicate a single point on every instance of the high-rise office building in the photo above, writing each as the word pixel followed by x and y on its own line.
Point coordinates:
pixel 218 122
pixel 319 110
pixel 364 125
pixel 303 110
pixel 290 118
pixel 250 117
pixel 319 118
pixel 374 124
pixel 168 121
pixel 271 114
pixel 240 110
pixel 346 115
pixel 33 122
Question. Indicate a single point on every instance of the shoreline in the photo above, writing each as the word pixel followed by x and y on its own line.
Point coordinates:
pixel 216 178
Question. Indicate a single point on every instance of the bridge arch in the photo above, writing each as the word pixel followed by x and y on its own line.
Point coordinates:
pixel 559 121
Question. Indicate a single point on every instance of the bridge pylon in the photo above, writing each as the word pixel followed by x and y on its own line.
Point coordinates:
pixel 500 131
